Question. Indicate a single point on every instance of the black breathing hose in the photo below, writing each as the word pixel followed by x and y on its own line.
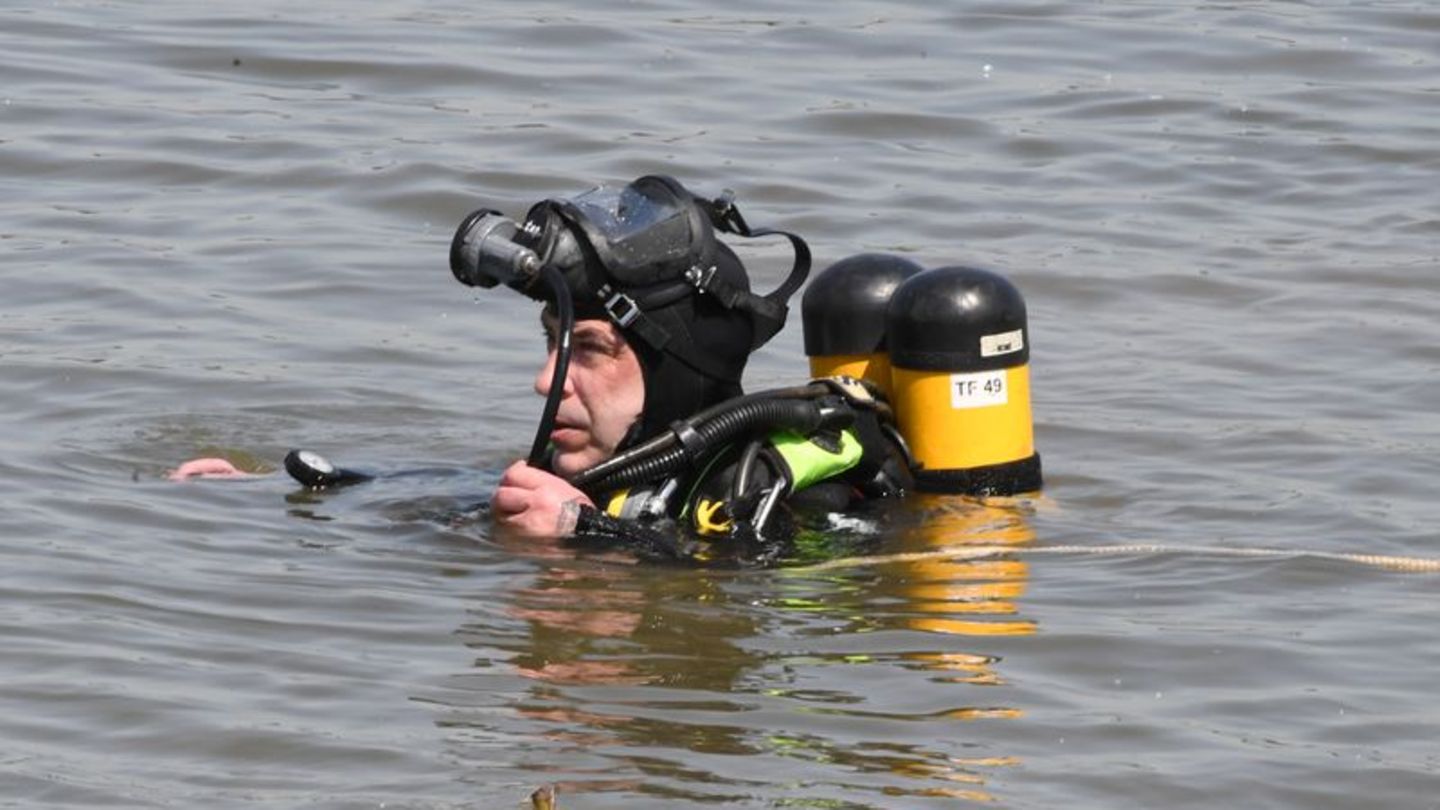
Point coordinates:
pixel 565 308
pixel 694 437
pixel 670 438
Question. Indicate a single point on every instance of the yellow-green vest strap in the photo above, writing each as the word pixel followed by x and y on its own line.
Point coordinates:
pixel 810 463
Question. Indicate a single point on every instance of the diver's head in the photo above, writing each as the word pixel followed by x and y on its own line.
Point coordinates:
pixel 645 260
pixel 670 385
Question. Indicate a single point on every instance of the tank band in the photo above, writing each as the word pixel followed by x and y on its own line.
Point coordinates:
pixel 1010 478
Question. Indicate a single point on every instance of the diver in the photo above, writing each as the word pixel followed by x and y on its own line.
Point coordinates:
pixel 649 440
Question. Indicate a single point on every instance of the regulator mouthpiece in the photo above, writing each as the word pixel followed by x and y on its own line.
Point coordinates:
pixel 485 252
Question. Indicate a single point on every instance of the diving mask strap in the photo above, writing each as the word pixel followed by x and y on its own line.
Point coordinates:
pixel 626 313
pixel 627 308
pixel 629 314
pixel 770 310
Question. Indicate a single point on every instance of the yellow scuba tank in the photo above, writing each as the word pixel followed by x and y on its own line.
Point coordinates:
pixel 952 353
pixel 843 316
pixel 959 357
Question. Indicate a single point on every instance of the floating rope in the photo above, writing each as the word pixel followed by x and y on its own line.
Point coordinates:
pixel 1384 561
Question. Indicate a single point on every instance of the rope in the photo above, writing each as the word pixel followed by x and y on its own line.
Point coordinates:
pixel 1382 561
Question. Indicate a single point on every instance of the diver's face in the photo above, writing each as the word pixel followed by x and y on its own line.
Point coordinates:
pixel 604 394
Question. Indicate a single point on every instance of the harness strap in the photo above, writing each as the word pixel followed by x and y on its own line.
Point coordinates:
pixel 770 310
pixel 628 313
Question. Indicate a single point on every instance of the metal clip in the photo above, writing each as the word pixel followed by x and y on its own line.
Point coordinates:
pixel 767 505
pixel 657 503
pixel 700 277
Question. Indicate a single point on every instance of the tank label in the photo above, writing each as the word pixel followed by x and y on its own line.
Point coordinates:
pixel 1003 343
pixel 980 390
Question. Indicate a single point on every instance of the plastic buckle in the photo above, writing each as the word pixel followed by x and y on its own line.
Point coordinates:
pixel 613 306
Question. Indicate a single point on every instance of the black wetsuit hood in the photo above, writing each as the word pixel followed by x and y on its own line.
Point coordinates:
pixel 697 325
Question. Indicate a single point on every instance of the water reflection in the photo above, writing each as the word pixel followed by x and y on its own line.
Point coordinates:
pixel 819 688
pixel 967 596
pixel 913 610
pixel 610 625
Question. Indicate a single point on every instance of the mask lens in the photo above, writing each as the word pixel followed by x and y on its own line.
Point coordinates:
pixel 646 230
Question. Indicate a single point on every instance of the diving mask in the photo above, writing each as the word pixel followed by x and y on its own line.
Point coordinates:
pixel 648 232
pixel 629 249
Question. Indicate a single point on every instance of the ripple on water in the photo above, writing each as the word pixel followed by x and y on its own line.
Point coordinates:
pixel 226 234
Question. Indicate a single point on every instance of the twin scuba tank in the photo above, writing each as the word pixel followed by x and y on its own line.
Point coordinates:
pixel 950 348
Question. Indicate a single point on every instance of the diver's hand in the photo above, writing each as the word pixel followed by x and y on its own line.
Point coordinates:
pixel 207 468
pixel 535 503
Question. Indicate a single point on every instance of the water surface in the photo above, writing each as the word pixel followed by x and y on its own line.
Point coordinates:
pixel 224 230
